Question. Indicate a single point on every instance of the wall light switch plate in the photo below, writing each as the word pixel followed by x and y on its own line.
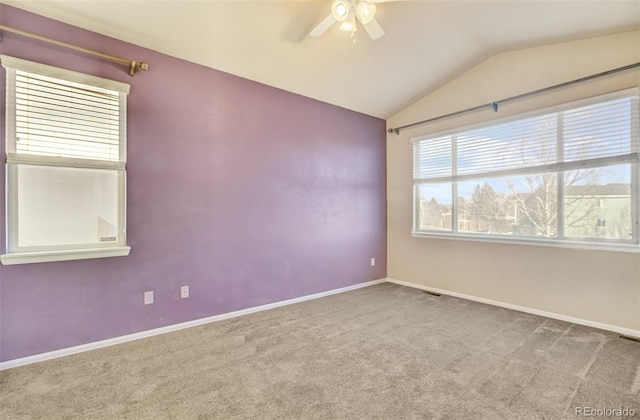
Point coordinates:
pixel 148 298
pixel 184 292
pixel 373 262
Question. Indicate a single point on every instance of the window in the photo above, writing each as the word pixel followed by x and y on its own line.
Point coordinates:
pixel 65 166
pixel 564 176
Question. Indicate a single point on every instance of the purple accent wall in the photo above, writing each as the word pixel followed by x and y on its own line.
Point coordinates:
pixel 247 193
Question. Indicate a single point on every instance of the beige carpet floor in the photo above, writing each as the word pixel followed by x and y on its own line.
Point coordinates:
pixel 381 352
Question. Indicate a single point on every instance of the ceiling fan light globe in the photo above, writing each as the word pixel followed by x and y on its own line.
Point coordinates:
pixel 365 12
pixel 340 10
pixel 349 25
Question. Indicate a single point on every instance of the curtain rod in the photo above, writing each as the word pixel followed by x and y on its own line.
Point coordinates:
pixel 494 105
pixel 133 65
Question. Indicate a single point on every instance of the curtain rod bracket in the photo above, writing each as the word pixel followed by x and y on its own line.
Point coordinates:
pixel 137 66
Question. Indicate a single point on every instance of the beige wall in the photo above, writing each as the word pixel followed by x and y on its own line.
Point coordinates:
pixel 596 286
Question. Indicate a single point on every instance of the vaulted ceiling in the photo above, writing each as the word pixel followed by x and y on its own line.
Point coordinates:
pixel 427 43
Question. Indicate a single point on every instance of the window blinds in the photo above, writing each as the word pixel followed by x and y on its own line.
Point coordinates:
pixel 600 133
pixel 55 117
pixel 432 158
pixel 601 130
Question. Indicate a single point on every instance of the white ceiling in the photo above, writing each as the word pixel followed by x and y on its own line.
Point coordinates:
pixel 427 42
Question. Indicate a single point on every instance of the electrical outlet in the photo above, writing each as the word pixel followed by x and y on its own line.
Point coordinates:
pixel 148 298
pixel 184 292
pixel 373 262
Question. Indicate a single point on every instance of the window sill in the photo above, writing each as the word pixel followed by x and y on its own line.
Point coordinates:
pixel 66 255
pixel 600 246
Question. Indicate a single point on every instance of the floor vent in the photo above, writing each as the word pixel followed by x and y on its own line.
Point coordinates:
pixel 432 293
pixel 626 337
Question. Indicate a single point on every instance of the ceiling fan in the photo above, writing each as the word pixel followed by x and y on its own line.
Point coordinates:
pixel 346 12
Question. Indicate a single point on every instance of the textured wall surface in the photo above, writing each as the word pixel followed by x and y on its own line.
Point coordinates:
pixel 246 193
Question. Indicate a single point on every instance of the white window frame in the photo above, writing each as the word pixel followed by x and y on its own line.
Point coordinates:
pixel 632 245
pixel 26 255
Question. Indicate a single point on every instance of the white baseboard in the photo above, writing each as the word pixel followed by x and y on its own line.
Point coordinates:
pixel 620 330
pixel 175 327
pixel 162 330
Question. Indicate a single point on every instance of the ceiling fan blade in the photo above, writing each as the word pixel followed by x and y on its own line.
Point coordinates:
pixel 323 26
pixel 374 29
